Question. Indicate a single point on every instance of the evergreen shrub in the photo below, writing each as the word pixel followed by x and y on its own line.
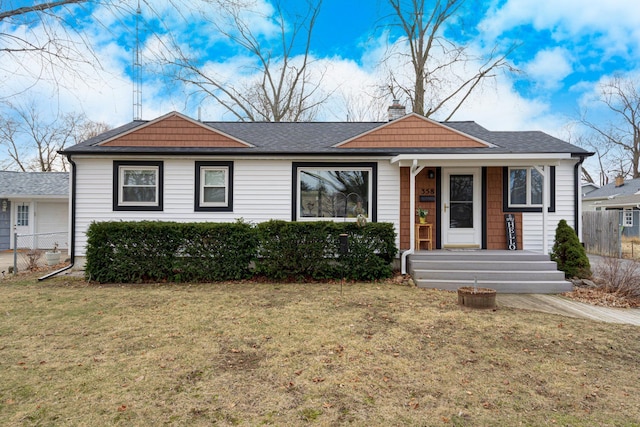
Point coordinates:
pixel 569 253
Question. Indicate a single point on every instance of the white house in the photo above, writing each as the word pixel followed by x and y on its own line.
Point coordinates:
pixel 34 203
pixel 175 168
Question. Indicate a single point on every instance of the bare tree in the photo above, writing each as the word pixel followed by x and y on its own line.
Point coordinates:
pixel 32 142
pixel 436 84
pixel 619 137
pixel 603 157
pixel 283 88
pixel 37 40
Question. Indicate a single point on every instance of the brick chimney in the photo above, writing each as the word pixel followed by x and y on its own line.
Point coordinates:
pixel 396 110
pixel 619 181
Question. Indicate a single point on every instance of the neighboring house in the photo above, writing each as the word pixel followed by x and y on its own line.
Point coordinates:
pixel 595 200
pixel 33 203
pixel 629 207
pixel 588 188
pixel 175 168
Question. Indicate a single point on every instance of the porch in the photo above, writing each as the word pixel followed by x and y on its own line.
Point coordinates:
pixel 503 270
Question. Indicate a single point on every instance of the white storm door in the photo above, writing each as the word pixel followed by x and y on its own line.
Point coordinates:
pixel 23 217
pixel 461 208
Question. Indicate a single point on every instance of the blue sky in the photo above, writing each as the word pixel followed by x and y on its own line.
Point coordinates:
pixel 565 48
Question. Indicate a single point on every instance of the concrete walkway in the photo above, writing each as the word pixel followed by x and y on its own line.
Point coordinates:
pixel 557 304
pixel 6 260
pixel 563 306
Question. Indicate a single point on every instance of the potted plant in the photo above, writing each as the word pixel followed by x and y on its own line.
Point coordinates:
pixel 53 256
pixel 422 215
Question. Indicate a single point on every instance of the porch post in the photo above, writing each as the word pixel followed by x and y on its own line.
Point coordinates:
pixel 414 171
pixel 544 171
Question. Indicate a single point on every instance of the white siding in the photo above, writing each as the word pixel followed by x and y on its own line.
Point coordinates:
pixel 262 191
pixel 532 238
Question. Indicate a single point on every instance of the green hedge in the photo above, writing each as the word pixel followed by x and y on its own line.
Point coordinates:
pixel 130 252
pixel 125 252
pixel 303 250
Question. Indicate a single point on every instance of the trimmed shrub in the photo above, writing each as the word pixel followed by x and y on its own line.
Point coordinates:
pixel 215 251
pixel 120 252
pixel 125 252
pixel 132 252
pixel 569 253
pixel 311 250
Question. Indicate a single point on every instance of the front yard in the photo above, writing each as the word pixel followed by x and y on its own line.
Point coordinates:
pixel 73 353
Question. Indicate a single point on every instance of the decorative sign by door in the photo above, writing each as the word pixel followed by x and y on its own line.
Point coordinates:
pixel 512 243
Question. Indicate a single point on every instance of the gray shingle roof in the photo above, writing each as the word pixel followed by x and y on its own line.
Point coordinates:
pixel 19 184
pixel 630 187
pixel 621 201
pixel 321 138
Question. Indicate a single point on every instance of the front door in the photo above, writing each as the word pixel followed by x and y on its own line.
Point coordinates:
pixel 461 208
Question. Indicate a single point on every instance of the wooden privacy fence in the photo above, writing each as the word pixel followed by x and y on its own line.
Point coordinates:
pixel 602 233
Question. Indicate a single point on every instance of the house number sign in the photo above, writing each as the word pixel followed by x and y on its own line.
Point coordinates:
pixel 510 220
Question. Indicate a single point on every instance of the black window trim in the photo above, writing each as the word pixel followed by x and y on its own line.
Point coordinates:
pixel 373 217
pixel 225 164
pixel 505 192
pixel 142 164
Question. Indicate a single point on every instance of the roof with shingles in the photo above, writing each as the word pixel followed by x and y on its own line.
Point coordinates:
pixel 622 201
pixel 22 184
pixel 290 138
pixel 610 190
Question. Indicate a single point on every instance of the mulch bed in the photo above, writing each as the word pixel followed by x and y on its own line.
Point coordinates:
pixel 600 297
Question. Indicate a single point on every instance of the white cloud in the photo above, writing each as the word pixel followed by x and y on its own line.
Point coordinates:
pixel 549 67
pixel 612 25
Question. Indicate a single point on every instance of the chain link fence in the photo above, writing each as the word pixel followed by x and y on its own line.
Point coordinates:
pixel 33 252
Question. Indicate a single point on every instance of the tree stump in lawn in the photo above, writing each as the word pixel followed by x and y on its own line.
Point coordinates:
pixel 469 296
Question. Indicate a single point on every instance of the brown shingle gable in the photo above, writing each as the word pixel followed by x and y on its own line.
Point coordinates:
pixel 175 130
pixel 413 131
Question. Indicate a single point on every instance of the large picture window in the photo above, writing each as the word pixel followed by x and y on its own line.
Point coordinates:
pixel 523 189
pixel 214 186
pixel 137 185
pixel 335 191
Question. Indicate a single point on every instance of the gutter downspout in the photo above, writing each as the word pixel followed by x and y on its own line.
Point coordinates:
pixel 72 253
pixel 415 170
pixel 577 219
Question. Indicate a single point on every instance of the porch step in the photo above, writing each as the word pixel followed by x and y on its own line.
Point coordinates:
pixel 504 271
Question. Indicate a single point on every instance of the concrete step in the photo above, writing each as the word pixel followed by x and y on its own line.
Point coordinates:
pixel 512 287
pixel 481 255
pixel 505 271
pixel 499 275
pixel 475 264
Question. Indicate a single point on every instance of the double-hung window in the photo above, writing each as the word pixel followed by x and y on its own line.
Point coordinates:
pixel 627 218
pixel 214 186
pixel 334 191
pixel 137 185
pixel 523 189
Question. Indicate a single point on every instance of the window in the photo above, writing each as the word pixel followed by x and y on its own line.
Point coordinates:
pixel 22 219
pixel 334 190
pixel 137 186
pixel 627 218
pixel 214 186
pixel 523 189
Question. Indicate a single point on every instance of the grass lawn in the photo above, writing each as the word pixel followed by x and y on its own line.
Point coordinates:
pixel 73 353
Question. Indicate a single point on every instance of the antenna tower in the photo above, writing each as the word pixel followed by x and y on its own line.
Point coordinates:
pixel 137 71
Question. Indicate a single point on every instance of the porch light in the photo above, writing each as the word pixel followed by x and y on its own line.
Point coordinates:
pixel 431 174
pixel 4 205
